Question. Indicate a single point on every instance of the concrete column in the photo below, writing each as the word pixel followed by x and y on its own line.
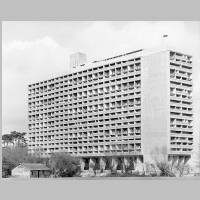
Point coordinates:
pixel 174 164
pixel 170 161
pixel 82 164
pixel 92 164
pixel 181 160
pixel 186 158
pixel 114 163
pixel 134 162
pixel 127 163
pixel 102 163
pixel 139 165
pixel 175 160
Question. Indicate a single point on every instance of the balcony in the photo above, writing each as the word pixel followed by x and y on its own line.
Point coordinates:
pixel 125 88
pixel 131 70
pixel 125 71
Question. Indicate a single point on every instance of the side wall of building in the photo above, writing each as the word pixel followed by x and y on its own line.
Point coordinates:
pixel 155 102
pixel 21 172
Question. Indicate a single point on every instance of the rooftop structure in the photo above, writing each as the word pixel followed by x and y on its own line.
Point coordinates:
pixel 77 60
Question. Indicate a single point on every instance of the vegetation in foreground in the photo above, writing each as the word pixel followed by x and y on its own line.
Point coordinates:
pixel 15 151
pixel 61 164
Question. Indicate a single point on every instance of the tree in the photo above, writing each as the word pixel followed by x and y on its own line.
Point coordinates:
pixel 63 165
pixel 12 157
pixel 7 139
pixel 15 155
pixel 160 158
pixel 18 138
pixel 14 138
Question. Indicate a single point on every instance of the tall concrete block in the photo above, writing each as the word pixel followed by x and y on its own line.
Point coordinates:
pixel 155 112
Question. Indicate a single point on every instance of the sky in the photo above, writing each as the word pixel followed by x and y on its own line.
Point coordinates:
pixel 34 51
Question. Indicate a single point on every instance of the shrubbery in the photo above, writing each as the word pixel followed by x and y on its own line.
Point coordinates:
pixel 162 167
pixel 61 164
pixel 128 174
pixel 64 165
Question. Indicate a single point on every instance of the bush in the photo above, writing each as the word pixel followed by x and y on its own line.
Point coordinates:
pixel 169 174
pixel 61 164
pixel 113 174
pixel 64 165
pixel 11 158
pixel 160 158
pixel 128 174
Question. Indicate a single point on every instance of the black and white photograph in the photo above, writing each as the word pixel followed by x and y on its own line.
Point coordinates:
pixel 101 100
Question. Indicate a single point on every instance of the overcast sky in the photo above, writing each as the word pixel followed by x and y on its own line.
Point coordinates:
pixel 33 51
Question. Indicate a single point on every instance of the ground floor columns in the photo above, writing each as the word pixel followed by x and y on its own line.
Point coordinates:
pixel 170 161
pixel 186 158
pixel 181 160
pixel 92 163
pixel 82 164
pixel 102 163
pixel 126 163
pixel 178 160
pixel 138 164
pixel 114 163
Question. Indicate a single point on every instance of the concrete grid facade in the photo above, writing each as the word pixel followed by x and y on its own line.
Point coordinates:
pixel 124 106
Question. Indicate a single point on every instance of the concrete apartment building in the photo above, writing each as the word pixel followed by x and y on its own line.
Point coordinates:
pixel 124 105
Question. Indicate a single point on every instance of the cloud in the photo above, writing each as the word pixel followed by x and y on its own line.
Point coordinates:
pixel 23 63
pixel 103 39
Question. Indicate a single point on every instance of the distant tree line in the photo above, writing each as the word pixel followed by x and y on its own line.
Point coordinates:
pixel 14 139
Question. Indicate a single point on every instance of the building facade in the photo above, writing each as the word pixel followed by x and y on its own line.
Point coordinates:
pixel 124 105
